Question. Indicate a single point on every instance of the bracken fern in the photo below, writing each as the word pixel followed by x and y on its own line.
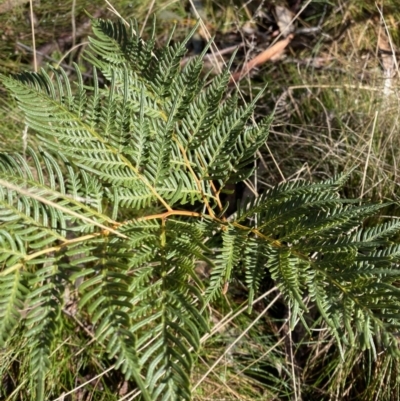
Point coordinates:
pixel 124 198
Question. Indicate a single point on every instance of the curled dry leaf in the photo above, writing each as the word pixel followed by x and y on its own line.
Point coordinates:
pixel 284 20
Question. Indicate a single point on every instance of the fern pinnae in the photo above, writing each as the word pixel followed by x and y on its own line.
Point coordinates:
pixel 245 150
pixel 140 51
pixel 281 192
pixel 341 219
pixel 110 308
pixel 380 232
pixel 255 256
pixel 54 172
pixel 80 102
pixel 285 269
pixel 348 311
pixel 109 41
pixel 12 249
pixel 66 84
pixel 168 65
pixel 13 290
pixel 41 323
pixel 227 136
pixel 47 84
pixel 319 296
pixel 234 241
pixel 198 124
pixel 109 113
pixel 160 148
pixel 141 136
pixel 188 86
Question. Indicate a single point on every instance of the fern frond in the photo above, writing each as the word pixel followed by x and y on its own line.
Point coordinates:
pixel 245 150
pixel 123 200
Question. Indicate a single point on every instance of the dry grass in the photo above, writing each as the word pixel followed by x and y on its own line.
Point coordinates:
pixel 338 110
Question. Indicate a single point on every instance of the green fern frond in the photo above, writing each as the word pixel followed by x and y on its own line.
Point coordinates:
pixel 123 200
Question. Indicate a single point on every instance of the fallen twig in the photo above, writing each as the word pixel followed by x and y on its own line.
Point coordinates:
pixel 264 56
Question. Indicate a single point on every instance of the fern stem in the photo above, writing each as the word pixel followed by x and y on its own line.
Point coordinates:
pixel 165 215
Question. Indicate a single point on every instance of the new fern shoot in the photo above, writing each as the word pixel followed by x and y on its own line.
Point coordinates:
pixel 121 201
